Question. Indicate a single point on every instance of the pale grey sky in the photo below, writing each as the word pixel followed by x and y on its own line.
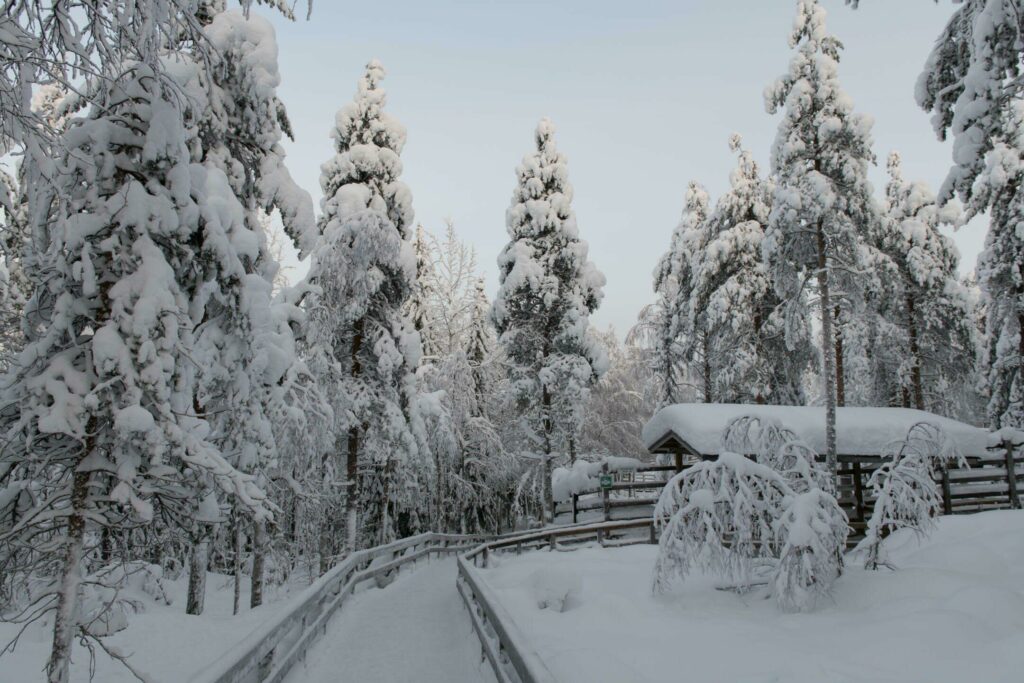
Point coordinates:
pixel 644 95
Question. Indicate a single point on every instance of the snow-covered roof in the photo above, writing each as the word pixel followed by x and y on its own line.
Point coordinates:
pixel 859 431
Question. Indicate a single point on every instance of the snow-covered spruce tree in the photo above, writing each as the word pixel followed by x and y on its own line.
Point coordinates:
pixel 13 284
pixel 822 197
pixel 361 348
pixel 681 352
pixel 735 304
pixel 972 84
pixel 254 374
pixel 906 495
pixel 548 289
pixel 417 306
pixel 1000 187
pixel 933 311
pixel 100 409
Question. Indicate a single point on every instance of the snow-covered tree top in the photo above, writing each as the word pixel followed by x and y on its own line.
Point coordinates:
pixel 365 171
pixel 859 431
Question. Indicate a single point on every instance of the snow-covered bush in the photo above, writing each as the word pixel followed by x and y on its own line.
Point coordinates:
pixel 906 495
pixel 555 587
pixel 812 533
pixel 718 516
pixel 770 517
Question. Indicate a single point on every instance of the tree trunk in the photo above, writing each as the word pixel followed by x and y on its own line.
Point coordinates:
pixel 915 355
pixel 236 543
pixel 840 372
pixel 259 556
pixel 549 502
pixel 64 623
pixel 572 450
pixel 352 459
pixel 197 572
pixel 707 370
pixel 828 349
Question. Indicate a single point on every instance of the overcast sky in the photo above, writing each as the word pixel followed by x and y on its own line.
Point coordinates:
pixel 644 95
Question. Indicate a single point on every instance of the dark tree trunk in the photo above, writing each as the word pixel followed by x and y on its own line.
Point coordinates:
pixel 259 556
pixel 548 513
pixel 197 571
pixel 352 460
pixel 64 627
pixel 828 349
pixel 915 355
pixel 840 371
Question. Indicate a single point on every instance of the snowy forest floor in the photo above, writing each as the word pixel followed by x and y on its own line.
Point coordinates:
pixel 162 642
pixel 416 629
pixel 952 611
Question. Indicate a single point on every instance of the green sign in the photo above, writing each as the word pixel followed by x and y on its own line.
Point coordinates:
pixel 606 481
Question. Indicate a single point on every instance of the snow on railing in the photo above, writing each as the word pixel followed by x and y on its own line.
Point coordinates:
pixel 508 651
pixel 266 654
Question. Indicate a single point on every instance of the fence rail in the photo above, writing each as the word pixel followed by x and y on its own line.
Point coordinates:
pixel 266 655
pixel 994 481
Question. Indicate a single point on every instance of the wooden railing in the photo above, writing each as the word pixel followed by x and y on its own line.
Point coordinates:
pixel 266 655
pixel 508 651
pixel 637 503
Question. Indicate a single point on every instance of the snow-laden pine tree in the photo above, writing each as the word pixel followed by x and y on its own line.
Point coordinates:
pixel 101 407
pixel 360 346
pixel 417 306
pixel 254 383
pixel 13 286
pixel 548 289
pixel 822 200
pixel 932 309
pixel 680 352
pixel 734 301
pixel 972 84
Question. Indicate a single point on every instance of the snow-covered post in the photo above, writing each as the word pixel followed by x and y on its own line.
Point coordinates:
pixel 1011 439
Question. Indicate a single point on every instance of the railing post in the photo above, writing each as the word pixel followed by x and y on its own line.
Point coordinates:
pixel 947 498
pixel 575 502
pixel 1011 474
pixel 604 496
pixel 654 535
pixel 858 490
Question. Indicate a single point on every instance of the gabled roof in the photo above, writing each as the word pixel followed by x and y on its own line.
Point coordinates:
pixel 859 431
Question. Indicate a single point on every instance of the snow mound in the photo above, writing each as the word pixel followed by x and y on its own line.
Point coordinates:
pixel 554 587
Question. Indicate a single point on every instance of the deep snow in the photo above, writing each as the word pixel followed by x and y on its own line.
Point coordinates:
pixel 162 642
pixel 952 611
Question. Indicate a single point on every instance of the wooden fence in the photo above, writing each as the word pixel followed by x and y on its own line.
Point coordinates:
pixel 992 482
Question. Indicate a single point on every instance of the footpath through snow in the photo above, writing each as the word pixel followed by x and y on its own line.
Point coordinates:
pixel 416 629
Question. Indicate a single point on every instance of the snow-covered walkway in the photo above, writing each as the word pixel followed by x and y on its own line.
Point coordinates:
pixel 416 629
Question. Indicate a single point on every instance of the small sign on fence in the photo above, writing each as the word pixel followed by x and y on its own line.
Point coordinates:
pixel 606 481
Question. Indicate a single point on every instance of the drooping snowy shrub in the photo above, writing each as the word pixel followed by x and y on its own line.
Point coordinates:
pixel 812 534
pixel 718 516
pixel 906 495
pixel 771 516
